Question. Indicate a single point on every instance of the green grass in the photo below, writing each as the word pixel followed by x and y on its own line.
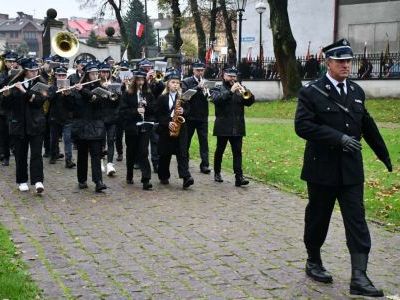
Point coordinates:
pixel 15 283
pixel 383 110
pixel 273 154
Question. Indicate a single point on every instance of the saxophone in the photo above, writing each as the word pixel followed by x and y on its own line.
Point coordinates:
pixel 177 119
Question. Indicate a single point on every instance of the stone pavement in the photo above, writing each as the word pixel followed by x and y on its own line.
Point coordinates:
pixel 213 241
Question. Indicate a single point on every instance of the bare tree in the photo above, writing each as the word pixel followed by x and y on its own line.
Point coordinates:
pixel 201 36
pixel 228 24
pixel 213 19
pixel 284 48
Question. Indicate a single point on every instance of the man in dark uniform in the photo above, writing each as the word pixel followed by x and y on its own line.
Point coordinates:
pixel 332 117
pixel 197 119
pixel 229 123
pixel 5 76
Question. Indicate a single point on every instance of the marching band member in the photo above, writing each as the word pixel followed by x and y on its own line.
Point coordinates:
pixel 229 123
pixel 156 87
pixel 88 130
pixel 60 119
pixel 197 119
pixel 110 112
pixel 5 76
pixel 136 106
pixel 27 125
pixel 165 111
pixel 77 76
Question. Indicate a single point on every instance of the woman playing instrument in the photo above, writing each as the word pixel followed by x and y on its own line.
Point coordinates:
pixel 168 108
pixel 135 110
pixel 26 124
pixel 88 128
pixel 110 112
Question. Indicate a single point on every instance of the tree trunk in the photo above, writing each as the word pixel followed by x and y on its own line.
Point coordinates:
pixel 228 26
pixel 176 24
pixel 122 28
pixel 284 48
pixel 201 36
pixel 213 20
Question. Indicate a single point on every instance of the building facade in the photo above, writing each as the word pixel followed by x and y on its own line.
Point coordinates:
pixel 321 22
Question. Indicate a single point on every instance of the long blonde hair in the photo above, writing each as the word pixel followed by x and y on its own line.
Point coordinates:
pixel 167 89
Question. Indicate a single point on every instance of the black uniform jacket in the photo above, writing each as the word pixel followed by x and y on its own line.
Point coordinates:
pixel 167 144
pixel 88 123
pixel 110 109
pixel 198 103
pixel 61 107
pixel 128 113
pixel 229 111
pixel 26 115
pixel 322 123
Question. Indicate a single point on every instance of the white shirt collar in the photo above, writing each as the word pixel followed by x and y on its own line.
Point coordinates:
pixel 335 83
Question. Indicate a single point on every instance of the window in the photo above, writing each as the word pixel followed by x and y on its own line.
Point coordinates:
pixel 29 35
pixel 13 34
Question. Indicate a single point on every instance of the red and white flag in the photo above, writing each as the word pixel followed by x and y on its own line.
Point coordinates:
pixel 139 29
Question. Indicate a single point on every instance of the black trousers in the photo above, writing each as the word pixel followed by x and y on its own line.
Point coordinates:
pixel 4 138
pixel 46 137
pixel 202 133
pixel 319 210
pixel 84 148
pixel 154 146
pixel 55 133
pixel 236 146
pixel 22 145
pixel 137 150
pixel 110 140
pixel 164 162
pixel 118 138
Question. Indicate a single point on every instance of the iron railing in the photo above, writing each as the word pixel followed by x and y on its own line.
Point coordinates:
pixel 373 66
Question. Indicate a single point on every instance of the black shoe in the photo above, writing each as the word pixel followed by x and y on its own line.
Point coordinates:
pixel 205 170
pixel 120 157
pixel 52 161
pixel 147 186
pixel 317 272
pixel 218 178
pixel 360 283
pixel 69 164
pixel 155 169
pixel 46 154
pixel 164 181
pixel 241 181
pixel 100 186
pixel 129 181
pixel 5 161
pixel 188 181
pixel 83 185
pixel 60 155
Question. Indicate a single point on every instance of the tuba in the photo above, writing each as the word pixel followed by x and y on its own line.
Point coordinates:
pixel 65 44
pixel 178 120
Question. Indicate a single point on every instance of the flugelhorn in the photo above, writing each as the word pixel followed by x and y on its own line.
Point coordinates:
pixel 244 92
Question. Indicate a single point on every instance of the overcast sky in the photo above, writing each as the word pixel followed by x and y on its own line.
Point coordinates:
pixel 65 8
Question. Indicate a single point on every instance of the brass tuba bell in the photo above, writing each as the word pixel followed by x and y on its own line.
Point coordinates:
pixel 65 44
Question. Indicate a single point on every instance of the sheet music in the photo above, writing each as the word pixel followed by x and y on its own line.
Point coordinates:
pixel 40 87
pixel 188 94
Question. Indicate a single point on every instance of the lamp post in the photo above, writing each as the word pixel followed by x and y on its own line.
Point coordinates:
pixel 157 26
pixel 260 8
pixel 240 8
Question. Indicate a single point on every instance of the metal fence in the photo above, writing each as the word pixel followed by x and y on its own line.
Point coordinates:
pixel 373 66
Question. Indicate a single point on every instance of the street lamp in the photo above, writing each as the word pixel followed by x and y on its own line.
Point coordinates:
pixel 240 7
pixel 157 26
pixel 260 8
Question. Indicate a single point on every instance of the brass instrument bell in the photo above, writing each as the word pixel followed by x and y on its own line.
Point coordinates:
pixel 65 44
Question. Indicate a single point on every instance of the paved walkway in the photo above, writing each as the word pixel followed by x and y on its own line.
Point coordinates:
pixel 213 241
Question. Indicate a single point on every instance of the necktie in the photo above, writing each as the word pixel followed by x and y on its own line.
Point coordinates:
pixel 342 93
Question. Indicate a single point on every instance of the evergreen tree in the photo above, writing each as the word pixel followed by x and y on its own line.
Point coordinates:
pixel 92 39
pixel 136 14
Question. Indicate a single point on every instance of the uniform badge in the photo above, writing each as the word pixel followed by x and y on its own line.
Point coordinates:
pixel 328 87
pixel 358 101
pixel 345 43
pixel 352 87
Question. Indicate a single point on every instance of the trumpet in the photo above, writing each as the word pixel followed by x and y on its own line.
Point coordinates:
pixel 159 76
pixel 244 92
